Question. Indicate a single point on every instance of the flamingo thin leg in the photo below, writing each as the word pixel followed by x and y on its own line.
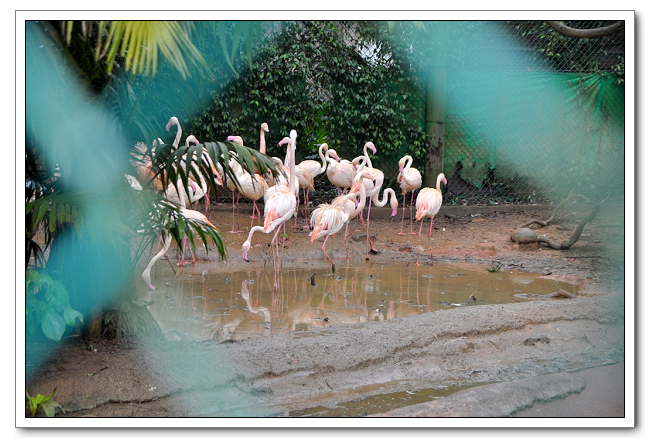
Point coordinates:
pixel 401 232
pixel 411 213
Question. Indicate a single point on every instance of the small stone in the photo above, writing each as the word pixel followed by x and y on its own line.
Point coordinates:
pixel 524 235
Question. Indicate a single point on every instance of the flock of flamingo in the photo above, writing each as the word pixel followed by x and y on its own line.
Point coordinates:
pixel 356 181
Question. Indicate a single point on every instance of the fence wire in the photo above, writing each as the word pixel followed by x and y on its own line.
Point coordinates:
pixel 531 116
pixel 534 116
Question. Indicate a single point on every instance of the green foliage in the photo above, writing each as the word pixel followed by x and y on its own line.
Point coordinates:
pixel 40 402
pixel 496 268
pixel 570 54
pixel 336 83
pixel 138 43
pixel 48 306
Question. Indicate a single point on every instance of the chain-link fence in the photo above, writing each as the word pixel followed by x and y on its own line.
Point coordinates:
pixel 538 115
pixel 529 115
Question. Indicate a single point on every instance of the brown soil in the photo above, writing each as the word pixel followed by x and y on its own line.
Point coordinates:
pixel 523 353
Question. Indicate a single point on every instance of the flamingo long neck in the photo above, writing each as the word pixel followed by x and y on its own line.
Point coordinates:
pixel 179 133
pixel 409 161
pixel 440 177
pixel 291 155
pixel 262 141
pixel 387 193
pixel 322 157
pixel 362 197
pixel 365 153
pixel 362 163
pixel 330 160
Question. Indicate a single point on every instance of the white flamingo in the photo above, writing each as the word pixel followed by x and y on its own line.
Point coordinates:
pixel 190 214
pixel 340 172
pixel 280 204
pixel 409 180
pixel 428 204
pixel 306 183
pixel 315 168
pixel 329 219
pixel 173 121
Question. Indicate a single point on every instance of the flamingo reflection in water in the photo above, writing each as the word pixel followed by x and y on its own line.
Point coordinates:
pixel 256 310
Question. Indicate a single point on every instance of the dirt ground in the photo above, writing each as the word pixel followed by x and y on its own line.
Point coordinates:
pixel 487 361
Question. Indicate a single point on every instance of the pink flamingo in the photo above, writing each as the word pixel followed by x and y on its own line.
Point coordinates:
pixel 409 180
pixel 313 166
pixel 191 139
pixel 253 187
pixel 264 128
pixel 173 121
pixel 306 183
pixel 234 165
pixel 190 214
pixel 340 172
pixel 178 195
pixel 428 204
pixel 280 204
pixel 365 164
pixel 328 219
pixel 315 169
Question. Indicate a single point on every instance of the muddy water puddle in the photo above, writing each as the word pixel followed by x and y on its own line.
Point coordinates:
pixel 377 402
pixel 199 304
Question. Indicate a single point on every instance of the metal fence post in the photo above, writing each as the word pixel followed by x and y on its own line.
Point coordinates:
pixel 436 107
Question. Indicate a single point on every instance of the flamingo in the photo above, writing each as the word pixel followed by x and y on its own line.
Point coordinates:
pixel 282 180
pixel 193 215
pixel 178 195
pixel 328 219
pixel 254 187
pixel 315 169
pixel 306 183
pixel 313 166
pixel 280 204
pixel 190 214
pixel 264 128
pixel 143 165
pixel 200 179
pixel 145 169
pixel 231 185
pixel 173 121
pixel 339 172
pixel 174 193
pixel 409 180
pixel 365 164
pixel 428 204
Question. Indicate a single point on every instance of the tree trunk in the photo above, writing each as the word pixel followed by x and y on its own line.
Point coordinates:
pixel 436 107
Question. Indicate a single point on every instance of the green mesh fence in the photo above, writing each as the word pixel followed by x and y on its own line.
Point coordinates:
pixel 530 115
pixel 529 120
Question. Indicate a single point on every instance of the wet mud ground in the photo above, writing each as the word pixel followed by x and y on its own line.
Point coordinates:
pixel 555 357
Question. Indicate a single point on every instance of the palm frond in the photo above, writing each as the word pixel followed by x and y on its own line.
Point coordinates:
pixel 158 216
pixel 247 33
pixel 140 41
pixel 56 210
pixel 167 160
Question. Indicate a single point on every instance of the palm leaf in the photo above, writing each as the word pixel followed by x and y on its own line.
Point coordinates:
pixel 167 161
pixel 55 210
pixel 140 41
